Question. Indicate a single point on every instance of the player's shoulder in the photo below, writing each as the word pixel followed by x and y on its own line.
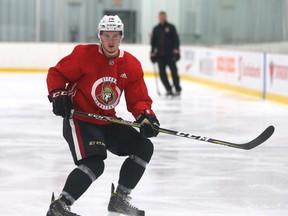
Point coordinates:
pixel 130 58
pixel 132 65
pixel 86 47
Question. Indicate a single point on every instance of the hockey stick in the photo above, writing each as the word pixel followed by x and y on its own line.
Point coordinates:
pixel 156 79
pixel 246 146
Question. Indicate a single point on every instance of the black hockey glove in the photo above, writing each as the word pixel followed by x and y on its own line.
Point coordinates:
pixel 61 103
pixel 149 124
pixel 176 55
pixel 153 57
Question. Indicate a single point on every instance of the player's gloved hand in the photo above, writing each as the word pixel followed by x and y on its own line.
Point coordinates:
pixel 149 123
pixel 61 103
pixel 176 55
pixel 153 57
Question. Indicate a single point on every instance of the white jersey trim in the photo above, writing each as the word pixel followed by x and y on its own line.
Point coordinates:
pixel 121 53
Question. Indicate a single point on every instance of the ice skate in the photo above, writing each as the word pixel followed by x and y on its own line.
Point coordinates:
pixel 59 208
pixel 119 203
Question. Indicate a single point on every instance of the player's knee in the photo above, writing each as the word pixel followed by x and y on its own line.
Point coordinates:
pixel 92 166
pixel 149 149
pixel 144 154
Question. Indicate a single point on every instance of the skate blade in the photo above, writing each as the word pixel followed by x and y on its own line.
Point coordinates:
pixel 113 214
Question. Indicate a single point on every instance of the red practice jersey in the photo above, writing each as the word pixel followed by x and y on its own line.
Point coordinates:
pixel 95 83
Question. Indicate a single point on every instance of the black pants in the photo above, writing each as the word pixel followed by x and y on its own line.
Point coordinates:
pixel 89 144
pixel 163 62
pixel 86 139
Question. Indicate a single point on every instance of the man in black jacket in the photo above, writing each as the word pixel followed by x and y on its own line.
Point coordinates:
pixel 165 50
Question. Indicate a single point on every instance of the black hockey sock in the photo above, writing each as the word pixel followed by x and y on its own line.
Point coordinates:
pixel 130 174
pixel 65 200
pixel 76 184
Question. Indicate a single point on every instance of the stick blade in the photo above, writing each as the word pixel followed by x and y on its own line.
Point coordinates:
pixel 265 135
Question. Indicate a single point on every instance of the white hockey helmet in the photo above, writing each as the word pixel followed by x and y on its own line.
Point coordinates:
pixel 110 23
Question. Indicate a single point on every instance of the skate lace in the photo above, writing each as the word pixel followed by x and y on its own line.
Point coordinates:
pixel 127 200
pixel 67 209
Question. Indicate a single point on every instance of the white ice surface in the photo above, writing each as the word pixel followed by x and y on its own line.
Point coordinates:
pixel 185 177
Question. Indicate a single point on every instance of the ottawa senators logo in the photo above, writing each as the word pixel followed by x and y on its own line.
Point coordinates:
pixel 106 93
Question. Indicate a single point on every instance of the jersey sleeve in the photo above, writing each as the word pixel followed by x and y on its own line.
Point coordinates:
pixel 67 70
pixel 136 93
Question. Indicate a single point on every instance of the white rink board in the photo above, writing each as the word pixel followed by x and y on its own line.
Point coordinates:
pixel 246 70
pixel 242 69
pixel 277 74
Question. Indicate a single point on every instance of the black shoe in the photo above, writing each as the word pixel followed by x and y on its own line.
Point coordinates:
pixel 120 203
pixel 59 208
pixel 169 93
pixel 177 93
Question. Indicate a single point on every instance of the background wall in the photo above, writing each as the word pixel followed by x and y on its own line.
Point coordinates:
pixel 199 22
pixel 227 25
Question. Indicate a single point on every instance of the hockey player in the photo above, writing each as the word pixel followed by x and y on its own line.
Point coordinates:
pixel 92 79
